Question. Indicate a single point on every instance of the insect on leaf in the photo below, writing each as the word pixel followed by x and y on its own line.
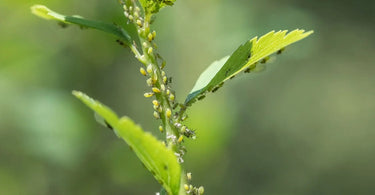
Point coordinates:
pixel 244 58
pixel 44 12
pixel 156 157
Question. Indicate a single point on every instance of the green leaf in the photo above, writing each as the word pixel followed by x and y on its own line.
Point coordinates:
pixel 44 12
pixel 154 6
pixel 156 157
pixel 244 58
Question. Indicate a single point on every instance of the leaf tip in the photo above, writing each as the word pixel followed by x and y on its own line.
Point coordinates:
pixel 78 94
pixel 41 11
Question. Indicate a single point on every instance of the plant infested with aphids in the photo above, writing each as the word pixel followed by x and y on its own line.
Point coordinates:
pixel 164 158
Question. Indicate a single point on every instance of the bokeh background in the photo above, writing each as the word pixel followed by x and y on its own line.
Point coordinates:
pixel 303 126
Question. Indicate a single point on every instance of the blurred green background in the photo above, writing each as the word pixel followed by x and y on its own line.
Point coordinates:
pixel 304 126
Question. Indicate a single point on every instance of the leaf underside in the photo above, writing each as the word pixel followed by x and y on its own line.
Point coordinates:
pixel 44 12
pixel 244 58
pixel 156 157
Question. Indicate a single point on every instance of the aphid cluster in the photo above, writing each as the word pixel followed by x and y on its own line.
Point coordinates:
pixel 190 189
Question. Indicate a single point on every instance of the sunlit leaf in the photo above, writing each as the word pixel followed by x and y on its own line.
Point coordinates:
pixel 244 58
pixel 156 157
pixel 44 12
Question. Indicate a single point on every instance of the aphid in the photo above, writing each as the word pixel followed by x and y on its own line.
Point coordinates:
pixel 248 56
pixel 136 15
pixel 178 125
pixel 155 102
pixel 139 22
pixel 280 51
pixel 156 115
pixel 163 64
pixel 102 121
pixel 162 73
pixel 168 112
pixel 189 133
pixel 232 77
pixel 180 139
pixel 169 80
pixel 168 92
pixel 227 72
pixel 149 82
pixel 175 106
pixel 162 87
pixel 149 94
pixel 149 68
pixel 143 71
pixel 171 97
pixel 62 24
pixel 201 97
pixel 154 78
pixel 160 109
pixel 183 129
pixel 149 51
pixel 264 60
pixel 120 42
pixel 161 129
pixel 201 190
pixel 156 90
pixel 188 175
pixel 150 37
pixel 184 117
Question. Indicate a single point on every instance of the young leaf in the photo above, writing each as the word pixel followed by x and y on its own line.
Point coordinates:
pixel 245 57
pixel 44 12
pixel 156 157
pixel 153 6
